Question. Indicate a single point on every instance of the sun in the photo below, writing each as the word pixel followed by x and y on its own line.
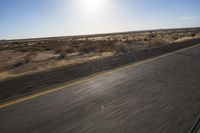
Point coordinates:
pixel 92 6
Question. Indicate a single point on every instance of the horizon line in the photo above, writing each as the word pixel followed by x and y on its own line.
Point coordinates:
pixel 97 34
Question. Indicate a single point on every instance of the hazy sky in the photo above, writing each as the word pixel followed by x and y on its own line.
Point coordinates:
pixel 41 18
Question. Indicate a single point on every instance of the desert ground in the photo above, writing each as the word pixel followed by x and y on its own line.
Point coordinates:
pixel 28 56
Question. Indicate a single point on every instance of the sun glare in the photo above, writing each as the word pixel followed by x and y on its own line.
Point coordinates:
pixel 92 6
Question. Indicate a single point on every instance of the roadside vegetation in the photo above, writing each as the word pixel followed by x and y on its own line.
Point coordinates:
pixel 34 55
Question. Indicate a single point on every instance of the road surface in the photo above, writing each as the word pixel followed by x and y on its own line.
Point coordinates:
pixel 157 96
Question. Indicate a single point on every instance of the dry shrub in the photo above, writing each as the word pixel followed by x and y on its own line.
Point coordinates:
pixel 146 39
pixel 193 35
pixel 70 50
pixel 157 42
pixel 104 46
pixel 175 37
pixel 121 47
pixel 22 62
pixel 59 50
pixel 87 48
pixel 61 56
pixel 128 41
pixel 96 46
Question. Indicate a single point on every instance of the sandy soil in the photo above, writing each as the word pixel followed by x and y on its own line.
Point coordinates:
pixel 45 61
pixel 22 57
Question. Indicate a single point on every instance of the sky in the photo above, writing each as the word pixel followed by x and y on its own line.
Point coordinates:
pixel 46 18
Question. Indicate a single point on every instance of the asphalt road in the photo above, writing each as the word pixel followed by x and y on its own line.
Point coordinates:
pixel 158 96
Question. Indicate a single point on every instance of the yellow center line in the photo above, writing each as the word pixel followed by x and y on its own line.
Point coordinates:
pixel 87 78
